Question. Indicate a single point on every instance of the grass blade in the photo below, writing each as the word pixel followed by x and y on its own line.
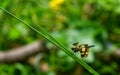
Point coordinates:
pixel 53 40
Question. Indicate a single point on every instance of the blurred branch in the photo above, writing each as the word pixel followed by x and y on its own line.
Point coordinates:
pixel 21 53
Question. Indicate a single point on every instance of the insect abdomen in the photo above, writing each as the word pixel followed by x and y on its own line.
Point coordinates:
pixel 84 52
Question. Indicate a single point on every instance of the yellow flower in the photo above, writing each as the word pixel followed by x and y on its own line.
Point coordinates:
pixel 55 4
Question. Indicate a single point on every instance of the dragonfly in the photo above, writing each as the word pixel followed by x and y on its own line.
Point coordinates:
pixel 83 48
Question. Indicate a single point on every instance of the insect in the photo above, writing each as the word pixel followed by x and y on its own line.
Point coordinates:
pixel 83 48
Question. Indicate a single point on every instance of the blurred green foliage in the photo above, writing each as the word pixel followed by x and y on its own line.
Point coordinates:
pixel 85 21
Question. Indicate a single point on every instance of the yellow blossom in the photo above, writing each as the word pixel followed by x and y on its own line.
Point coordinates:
pixel 55 4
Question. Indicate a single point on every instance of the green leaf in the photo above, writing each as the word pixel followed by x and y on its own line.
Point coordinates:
pixel 13 34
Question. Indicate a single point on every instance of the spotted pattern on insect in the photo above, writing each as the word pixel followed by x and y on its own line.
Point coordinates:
pixel 82 48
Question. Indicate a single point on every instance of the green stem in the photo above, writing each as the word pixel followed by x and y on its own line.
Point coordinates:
pixel 53 40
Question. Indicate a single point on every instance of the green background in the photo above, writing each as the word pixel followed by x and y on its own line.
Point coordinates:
pixel 93 22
